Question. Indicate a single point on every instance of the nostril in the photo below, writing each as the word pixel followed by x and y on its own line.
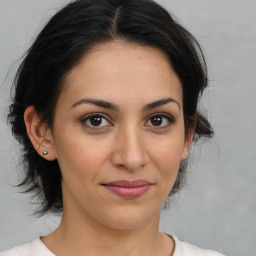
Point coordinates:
pixel 130 150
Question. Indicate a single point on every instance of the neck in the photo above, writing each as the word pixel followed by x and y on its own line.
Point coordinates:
pixel 84 236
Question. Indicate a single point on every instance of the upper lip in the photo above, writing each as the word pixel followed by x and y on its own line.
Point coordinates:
pixel 128 184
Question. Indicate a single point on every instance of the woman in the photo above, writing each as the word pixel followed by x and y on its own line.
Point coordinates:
pixel 105 108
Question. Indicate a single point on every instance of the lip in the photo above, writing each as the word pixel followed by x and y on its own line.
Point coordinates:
pixel 128 189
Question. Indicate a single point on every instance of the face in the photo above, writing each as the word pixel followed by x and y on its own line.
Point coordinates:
pixel 118 134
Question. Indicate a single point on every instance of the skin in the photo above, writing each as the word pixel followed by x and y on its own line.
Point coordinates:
pixel 127 145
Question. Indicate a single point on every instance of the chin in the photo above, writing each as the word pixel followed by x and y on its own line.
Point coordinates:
pixel 129 218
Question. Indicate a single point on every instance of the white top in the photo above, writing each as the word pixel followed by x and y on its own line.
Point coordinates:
pixel 38 248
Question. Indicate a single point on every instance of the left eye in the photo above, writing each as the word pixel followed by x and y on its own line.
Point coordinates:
pixel 160 120
pixel 94 121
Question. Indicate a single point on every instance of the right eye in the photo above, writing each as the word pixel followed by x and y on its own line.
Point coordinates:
pixel 95 121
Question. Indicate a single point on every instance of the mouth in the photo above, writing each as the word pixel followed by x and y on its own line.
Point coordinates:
pixel 128 189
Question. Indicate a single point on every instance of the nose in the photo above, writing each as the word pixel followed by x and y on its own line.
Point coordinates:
pixel 130 151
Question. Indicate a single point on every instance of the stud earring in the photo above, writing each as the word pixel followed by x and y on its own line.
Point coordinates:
pixel 45 152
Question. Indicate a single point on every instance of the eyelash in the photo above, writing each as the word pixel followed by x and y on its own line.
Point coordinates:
pixel 169 119
pixel 86 118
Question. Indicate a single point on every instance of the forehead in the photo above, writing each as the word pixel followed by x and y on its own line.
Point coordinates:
pixel 118 69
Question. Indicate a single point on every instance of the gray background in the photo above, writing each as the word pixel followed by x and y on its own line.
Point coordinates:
pixel 217 208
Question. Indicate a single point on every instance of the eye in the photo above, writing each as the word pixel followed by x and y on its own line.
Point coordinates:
pixel 95 121
pixel 160 120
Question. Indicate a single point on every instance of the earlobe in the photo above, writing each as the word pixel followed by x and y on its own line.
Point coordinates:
pixel 188 141
pixel 185 155
pixel 39 134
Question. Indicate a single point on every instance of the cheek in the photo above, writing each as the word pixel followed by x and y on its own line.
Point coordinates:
pixel 80 154
pixel 167 156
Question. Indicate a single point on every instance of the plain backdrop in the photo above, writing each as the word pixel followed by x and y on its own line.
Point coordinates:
pixel 217 208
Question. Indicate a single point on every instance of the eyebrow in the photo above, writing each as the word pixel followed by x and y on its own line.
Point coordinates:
pixel 108 105
pixel 159 103
pixel 99 103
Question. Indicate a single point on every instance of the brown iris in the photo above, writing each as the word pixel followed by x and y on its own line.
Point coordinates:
pixel 156 120
pixel 96 120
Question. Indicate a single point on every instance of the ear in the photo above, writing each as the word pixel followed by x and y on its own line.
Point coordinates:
pixel 39 134
pixel 187 144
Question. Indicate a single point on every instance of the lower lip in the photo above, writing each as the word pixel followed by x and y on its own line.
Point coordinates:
pixel 128 192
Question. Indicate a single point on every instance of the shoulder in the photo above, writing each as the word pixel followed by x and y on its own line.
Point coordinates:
pixel 186 249
pixel 18 250
pixel 36 247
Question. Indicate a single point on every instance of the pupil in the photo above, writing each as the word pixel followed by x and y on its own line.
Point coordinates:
pixel 157 121
pixel 96 120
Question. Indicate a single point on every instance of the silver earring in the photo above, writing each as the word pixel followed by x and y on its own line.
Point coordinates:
pixel 45 152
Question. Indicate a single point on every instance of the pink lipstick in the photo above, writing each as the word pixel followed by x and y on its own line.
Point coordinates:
pixel 128 189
